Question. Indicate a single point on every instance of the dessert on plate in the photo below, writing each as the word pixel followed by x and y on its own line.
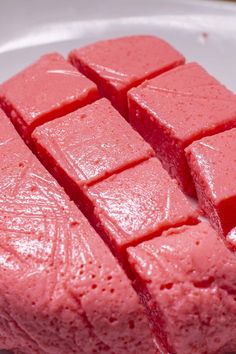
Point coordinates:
pixel 102 249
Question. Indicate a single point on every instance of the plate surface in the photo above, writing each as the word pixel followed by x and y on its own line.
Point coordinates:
pixel 204 31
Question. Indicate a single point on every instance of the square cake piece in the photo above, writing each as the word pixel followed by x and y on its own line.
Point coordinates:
pixel 187 279
pixel 61 290
pixel 212 162
pixel 90 144
pixel 47 89
pixel 138 203
pixel 118 64
pixel 176 108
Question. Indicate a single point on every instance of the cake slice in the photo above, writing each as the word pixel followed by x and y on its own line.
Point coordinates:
pixel 175 109
pixel 138 204
pixel 139 200
pixel 116 65
pixel 186 278
pixel 90 144
pixel 47 89
pixel 61 289
pixel 212 162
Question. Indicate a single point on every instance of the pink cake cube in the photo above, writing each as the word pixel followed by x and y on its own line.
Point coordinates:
pixel 138 203
pixel 176 108
pixel 118 64
pixel 47 89
pixel 187 280
pixel 212 162
pixel 61 290
pixel 90 144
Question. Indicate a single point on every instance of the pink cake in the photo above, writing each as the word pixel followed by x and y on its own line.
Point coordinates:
pixel 212 161
pixel 118 64
pixel 187 280
pixel 61 289
pixel 137 204
pixel 47 89
pixel 176 108
pixel 90 144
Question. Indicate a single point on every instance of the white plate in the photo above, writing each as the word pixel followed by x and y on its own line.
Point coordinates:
pixel 204 31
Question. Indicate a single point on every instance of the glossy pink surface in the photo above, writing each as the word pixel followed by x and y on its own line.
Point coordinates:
pixel 45 90
pixel 190 276
pixel 139 202
pixel 178 107
pixel 92 143
pixel 61 289
pixel 212 162
pixel 116 65
pixel 231 238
